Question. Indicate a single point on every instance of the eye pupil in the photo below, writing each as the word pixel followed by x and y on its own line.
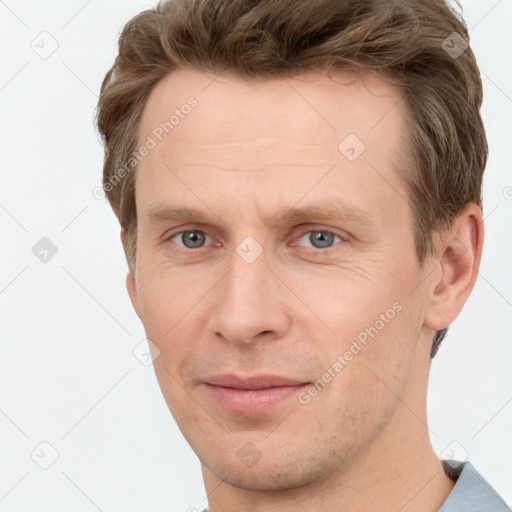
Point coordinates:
pixel 196 238
pixel 324 238
pixel 319 239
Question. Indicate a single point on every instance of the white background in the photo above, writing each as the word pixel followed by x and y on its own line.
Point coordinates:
pixel 68 375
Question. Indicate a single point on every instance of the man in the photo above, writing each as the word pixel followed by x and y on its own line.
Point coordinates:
pixel 299 190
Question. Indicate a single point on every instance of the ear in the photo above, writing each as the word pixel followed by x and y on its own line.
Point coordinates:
pixel 458 257
pixel 131 283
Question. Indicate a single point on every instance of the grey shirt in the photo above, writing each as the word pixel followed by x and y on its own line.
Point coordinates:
pixel 471 493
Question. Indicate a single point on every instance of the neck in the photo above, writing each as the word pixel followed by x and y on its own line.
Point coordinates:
pixel 410 479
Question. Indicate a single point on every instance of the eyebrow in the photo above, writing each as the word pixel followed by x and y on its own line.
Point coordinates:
pixel 332 210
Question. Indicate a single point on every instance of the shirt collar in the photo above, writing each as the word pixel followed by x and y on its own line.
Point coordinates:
pixel 472 493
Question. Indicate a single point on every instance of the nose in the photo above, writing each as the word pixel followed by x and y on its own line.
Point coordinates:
pixel 251 303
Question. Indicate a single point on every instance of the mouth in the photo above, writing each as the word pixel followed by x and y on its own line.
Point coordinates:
pixel 254 394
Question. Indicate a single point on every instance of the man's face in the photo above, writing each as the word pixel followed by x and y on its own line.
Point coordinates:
pixel 334 302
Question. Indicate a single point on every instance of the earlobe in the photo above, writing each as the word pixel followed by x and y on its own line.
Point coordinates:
pixel 458 256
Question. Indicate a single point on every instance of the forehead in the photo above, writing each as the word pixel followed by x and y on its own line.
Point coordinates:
pixel 310 105
pixel 221 129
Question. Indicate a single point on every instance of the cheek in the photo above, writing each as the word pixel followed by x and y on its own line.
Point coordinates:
pixel 354 300
pixel 376 363
pixel 165 313
pixel 377 321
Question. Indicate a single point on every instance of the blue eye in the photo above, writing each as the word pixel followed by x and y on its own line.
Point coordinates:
pixel 192 239
pixel 196 239
pixel 320 239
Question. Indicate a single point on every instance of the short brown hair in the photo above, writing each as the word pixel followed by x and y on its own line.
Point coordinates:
pixel 418 45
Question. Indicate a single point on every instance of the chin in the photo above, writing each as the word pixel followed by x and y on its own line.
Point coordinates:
pixel 259 479
pixel 275 474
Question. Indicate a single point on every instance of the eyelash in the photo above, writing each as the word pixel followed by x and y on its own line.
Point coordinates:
pixel 325 250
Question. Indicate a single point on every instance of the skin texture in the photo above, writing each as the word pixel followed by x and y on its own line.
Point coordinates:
pixel 245 154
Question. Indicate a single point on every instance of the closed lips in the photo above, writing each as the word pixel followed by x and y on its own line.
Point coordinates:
pixel 252 382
